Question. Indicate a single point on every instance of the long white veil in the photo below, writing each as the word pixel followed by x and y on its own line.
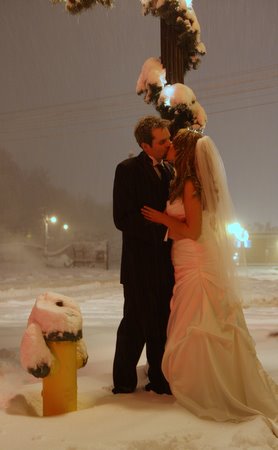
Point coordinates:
pixel 217 202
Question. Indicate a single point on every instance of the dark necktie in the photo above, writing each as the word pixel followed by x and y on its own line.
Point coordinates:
pixel 162 171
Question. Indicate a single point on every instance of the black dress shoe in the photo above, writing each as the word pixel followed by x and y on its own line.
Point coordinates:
pixel 158 389
pixel 122 390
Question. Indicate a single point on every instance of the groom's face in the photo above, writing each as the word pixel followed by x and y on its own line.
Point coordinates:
pixel 160 144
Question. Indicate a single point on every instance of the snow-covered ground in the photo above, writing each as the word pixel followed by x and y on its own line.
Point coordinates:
pixel 138 421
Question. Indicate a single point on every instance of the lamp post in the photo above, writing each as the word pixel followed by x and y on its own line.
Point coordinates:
pixel 47 220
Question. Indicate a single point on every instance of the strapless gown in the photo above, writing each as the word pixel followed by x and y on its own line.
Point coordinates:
pixel 210 360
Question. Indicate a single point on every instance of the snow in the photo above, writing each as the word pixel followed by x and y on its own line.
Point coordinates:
pixel 138 421
pixel 56 313
pixel 152 73
pixel 174 94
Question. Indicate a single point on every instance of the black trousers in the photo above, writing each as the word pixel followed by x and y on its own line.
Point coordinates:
pixel 144 322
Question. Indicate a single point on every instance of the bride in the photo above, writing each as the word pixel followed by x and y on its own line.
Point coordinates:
pixel 210 361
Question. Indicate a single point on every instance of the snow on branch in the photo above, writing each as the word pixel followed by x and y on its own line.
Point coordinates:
pixel 180 14
pixel 151 79
pixel 175 102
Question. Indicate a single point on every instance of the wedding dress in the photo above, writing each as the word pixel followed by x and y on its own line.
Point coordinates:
pixel 210 360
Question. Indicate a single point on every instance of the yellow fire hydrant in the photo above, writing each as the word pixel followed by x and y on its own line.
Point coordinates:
pixel 52 348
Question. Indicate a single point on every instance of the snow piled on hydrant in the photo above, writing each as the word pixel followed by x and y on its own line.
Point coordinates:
pixel 54 317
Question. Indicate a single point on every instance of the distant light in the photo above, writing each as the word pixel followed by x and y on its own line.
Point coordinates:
pixel 53 219
pixel 241 235
pixel 65 226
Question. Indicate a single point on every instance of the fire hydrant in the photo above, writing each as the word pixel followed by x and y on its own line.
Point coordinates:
pixel 52 348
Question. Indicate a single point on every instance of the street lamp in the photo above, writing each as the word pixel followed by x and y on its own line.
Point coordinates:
pixel 47 220
pixel 240 234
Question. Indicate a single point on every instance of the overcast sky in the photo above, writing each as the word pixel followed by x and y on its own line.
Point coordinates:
pixel 68 100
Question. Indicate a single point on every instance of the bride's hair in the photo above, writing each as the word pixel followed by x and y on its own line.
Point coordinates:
pixel 185 162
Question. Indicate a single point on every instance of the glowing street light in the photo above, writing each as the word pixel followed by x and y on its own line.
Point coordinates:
pixel 65 227
pixel 240 234
pixel 241 238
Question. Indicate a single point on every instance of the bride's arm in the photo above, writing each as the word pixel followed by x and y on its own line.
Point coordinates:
pixel 193 212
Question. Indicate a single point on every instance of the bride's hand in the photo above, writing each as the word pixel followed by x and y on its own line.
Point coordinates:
pixel 153 215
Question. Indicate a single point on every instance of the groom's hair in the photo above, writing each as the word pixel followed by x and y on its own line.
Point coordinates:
pixel 143 128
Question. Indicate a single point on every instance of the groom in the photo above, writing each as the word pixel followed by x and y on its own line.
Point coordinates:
pixel 146 269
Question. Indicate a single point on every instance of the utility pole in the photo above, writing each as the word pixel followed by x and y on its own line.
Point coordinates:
pixel 172 55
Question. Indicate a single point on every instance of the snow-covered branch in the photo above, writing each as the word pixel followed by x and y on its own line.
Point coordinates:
pixel 176 102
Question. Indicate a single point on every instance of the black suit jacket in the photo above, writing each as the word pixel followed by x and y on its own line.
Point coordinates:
pixel 146 260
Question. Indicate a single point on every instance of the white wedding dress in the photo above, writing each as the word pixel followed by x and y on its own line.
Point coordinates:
pixel 210 360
